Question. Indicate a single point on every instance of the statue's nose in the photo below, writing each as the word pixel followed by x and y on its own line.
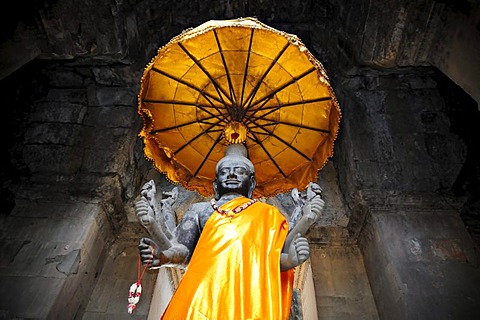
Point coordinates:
pixel 231 173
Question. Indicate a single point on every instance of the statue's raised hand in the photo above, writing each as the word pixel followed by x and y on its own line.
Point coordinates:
pixel 309 206
pixel 145 213
pixel 297 253
pixel 311 211
pixel 167 219
pixel 152 217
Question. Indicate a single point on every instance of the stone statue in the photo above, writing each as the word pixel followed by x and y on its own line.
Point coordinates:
pixel 240 252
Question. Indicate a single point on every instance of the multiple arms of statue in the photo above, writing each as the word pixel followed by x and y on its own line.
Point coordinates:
pixel 309 206
pixel 159 219
pixel 173 246
pixel 152 256
pixel 156 215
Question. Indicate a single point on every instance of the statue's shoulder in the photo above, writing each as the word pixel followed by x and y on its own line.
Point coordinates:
pixel 201 206
pixel 268 207
pixel 203 211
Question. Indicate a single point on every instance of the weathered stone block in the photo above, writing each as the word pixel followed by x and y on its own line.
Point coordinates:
pixel 63 77
pixel 114 117
pixel 412 256
pixel 53 158
pixel 68 95
pixel 64 112
pixel 116 75
pixel 111 96
pixel 29 297
pixel 109 150
pixel 54 133
pixel 341 284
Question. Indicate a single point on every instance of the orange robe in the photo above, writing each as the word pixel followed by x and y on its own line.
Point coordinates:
pixel 234 272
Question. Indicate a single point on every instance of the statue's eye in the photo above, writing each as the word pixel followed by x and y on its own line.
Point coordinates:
pixel 240 171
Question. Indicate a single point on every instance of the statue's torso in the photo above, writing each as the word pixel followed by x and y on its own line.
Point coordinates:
pixel 205 210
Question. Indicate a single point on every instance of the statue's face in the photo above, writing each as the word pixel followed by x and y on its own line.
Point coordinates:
pixel 234 176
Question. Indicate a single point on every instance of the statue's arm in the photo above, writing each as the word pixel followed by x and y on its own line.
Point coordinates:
pixel 311 209
pixel 155 215
pixel 296 249
pixel 181 247
pixel 298 252
pixel 147 217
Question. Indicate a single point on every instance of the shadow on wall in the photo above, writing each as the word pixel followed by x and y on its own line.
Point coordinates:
pixel 464 115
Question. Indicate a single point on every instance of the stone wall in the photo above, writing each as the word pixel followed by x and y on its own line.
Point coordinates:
pixel 74 151
pixel 400 157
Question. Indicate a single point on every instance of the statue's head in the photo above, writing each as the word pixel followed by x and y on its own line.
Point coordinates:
pixel 235 173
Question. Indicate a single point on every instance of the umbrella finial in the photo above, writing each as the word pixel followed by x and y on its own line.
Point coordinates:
pixel 235 132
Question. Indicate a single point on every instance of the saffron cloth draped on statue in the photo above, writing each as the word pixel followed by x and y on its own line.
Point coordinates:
pixel 237 262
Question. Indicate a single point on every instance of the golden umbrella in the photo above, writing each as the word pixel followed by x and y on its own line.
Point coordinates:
pixel 238 81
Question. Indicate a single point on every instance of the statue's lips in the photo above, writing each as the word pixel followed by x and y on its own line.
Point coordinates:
pixel 232 181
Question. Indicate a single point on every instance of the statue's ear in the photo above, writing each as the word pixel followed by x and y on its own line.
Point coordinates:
pixel 253 184
pixel 215 188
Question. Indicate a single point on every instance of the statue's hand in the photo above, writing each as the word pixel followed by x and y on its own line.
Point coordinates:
pixel 152 218
pixel 312 209
pixel 299 250
pixel 170 197
pixel 144 211
pixel 148 190
pixel 149 253
pixel 313 190
pixel 152 255
pixel 168 218
pixel 298 253
pixel 306 213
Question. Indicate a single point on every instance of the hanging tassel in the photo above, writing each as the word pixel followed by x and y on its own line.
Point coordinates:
pixel 135 289
pixel 134 296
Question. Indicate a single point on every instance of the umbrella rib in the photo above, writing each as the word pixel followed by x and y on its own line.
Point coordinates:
pixel 215 83
pixel 230 85
pixel 259 82
pixel 215 130
pixel 185 124
pixel 286 143
pixel 266 98
pixel 277 107
pixel 196 137
pixel 268 154
pixel 204 94
pixel 292 125
pixel 208 154
pixel 296 103
pixel 203 108
pixel 246 66
pixel 182 103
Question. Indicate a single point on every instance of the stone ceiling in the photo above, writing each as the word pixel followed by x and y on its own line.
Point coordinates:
pixel 386 34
